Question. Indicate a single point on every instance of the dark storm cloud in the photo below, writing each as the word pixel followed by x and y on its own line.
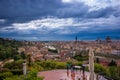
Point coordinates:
pixel 22 8
pixel 21 11
pixel 41 8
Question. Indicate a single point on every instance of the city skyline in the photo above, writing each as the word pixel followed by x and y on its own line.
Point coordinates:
pixel 59 19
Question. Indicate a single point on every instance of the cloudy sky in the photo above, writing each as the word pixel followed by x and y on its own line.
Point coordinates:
pixel 59 19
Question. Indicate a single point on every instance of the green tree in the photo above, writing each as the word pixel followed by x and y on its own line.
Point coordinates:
pixel 5 74
pixel 36 66
pixel 13 78
pixel 101 69
pixel 113 72
pixel 8 48
pixel 118 70
pixel 60 65
pixel 112 63
pixel 17 57
pixel 29 59
pixel 23 55
pixel 32 75
pixel 97 60
pixel 14 65
pixel 54 51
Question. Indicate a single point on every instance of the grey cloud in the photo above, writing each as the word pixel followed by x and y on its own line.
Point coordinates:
pixel 73 10
pixel 22 8
pixel 106 12
pixel 41 8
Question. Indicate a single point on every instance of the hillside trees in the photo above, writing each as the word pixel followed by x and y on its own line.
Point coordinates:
pixel 8 49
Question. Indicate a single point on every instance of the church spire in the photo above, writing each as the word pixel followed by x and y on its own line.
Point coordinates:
pixel 76 38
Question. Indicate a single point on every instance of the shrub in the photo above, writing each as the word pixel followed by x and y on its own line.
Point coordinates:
pixel 14 65
pixel 79 63
pixel 49 64
pixel 17 71
pixel 60 65
pixel 4 70
pixel 80 58
pixel 113 73
pixel 101 69
pixel 112 63
pixel 13 78
pixel 5 74
pixel 32 75
pixel 37 66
